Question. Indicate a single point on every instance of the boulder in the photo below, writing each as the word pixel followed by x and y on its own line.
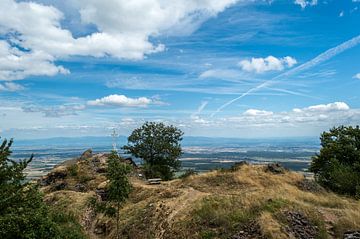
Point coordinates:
pixel 58 173
pixel 275 168
pixel 87 154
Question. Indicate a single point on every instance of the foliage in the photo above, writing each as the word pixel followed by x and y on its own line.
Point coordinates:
pixel 119 186
pixel 337 167
pixel 23 214
pixel 159 146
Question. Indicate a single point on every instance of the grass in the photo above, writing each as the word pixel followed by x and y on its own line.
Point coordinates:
pixel 217 204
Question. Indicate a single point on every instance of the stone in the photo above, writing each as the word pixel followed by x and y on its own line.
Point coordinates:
pixel 275 168
pixel 59 186
pixel 58 173
pixel 87 154
pixel 80 187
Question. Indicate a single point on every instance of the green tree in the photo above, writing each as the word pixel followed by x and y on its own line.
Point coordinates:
pixel 337 166
pixel 159 146
pixel 119 186
pixel 23 214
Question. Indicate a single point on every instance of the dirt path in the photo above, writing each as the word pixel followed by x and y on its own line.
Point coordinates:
pixel 176 206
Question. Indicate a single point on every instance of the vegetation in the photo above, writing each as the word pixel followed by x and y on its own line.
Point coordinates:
pixel 23 214
pixel 119 186
pixel 337 166
pixel 159 146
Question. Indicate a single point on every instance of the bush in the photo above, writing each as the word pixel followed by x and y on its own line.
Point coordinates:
pixel 337 166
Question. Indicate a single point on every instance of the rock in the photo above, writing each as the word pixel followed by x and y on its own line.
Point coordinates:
pixel 58 173
pixel 300 226
pixel 100 228
pixel 80 187
pixel 87 154
pixel 310 186
pixel 250 230
pixel 59 186
pixel 275 168
pixel 352 235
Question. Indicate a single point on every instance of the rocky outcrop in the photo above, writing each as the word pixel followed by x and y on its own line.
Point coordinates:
pixel 87 154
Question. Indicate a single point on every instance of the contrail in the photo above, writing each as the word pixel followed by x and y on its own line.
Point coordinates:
pixel 327 55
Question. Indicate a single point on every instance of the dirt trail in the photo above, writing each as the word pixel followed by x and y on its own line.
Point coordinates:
pixel 176 206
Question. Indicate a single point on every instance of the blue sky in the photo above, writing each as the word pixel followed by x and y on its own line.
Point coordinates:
pixel 219 68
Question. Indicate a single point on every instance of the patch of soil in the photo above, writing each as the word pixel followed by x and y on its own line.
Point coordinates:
pixel 299 225
pixel 251 230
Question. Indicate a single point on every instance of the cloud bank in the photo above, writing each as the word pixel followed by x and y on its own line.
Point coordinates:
pixel 34 39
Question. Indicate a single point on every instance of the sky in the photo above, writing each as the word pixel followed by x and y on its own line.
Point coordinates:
pixel 217 68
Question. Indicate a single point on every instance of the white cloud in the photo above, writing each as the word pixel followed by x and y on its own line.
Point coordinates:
pixel 16 64
pixel 10 86
pixel 341 14
pixel 336 106
pixel 254 112
pixel 124 31
pixel 270 63
pixel 305 3
pixel 357 76
pixel 122 101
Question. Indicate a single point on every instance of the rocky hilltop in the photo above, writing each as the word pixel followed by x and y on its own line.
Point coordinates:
pixel 247 201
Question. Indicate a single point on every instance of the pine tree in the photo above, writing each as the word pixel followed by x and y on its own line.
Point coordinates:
pixel 119 186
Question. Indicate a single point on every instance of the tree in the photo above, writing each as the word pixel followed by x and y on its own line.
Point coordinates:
pixel 337 166
pixel 23 214
pixel 119 186
pixel 159 146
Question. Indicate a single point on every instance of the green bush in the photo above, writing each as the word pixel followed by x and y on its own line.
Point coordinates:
pixel 337 166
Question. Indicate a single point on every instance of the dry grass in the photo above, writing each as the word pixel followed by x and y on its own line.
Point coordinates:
pixel 217 204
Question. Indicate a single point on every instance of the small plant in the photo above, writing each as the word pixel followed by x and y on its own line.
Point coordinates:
pixel 73 170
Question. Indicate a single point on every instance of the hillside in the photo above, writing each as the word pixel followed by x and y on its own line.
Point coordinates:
pixel 246 202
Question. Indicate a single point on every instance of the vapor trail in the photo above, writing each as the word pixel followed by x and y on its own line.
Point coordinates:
pixel 327 55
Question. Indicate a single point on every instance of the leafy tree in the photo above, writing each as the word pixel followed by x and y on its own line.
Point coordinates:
pixel 23 214
pixel 337 167
pixel 159 146
pixel 119 186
